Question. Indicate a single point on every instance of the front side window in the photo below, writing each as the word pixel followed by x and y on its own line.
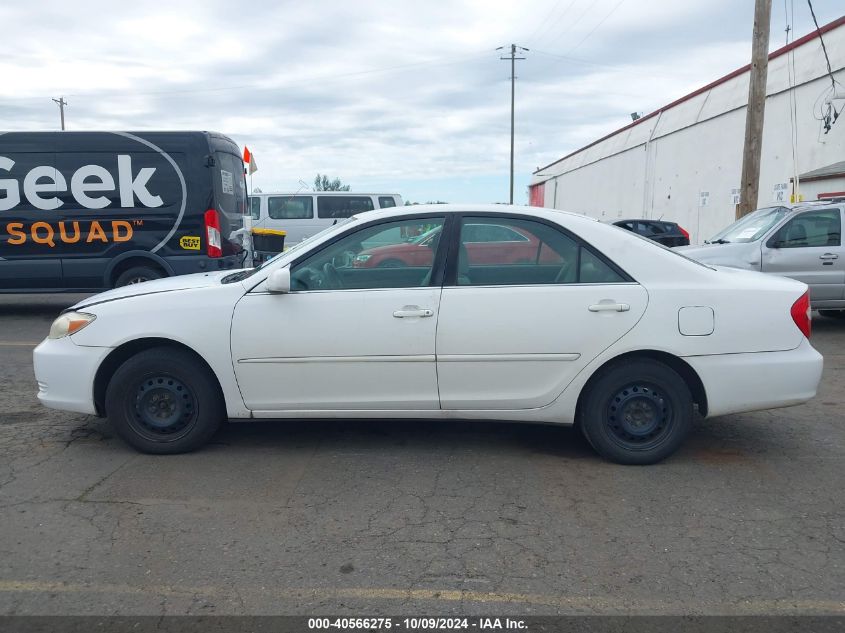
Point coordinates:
pixel 290 207
pixel 255 207
pixel 387 255
pixel 342 206
pixel 542 255
pixel 814 229
pixel 385 202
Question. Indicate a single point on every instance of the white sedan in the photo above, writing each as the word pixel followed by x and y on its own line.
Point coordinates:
pixel 498 313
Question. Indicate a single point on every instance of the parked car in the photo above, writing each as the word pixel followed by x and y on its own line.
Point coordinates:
pixel 616 334
pixel 86 211
pixel 302 214
pixel 667 233
pixel 803 242
pixel 485 243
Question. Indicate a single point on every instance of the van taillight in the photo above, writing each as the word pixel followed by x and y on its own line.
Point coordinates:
pixel 801 313
pixel 213 240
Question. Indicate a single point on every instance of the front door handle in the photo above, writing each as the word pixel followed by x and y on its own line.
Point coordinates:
pixel 609 307
pixel 413 311
pixel 829 256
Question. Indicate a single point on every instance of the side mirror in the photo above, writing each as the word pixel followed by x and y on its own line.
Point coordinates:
pixel 279 281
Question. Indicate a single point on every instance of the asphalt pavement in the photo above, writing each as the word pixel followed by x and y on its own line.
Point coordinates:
pixel 410 517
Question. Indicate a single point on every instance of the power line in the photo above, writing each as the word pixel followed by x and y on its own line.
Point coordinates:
pixel 570 26
pixel 824 48
pixel 596 27
pixel 547 24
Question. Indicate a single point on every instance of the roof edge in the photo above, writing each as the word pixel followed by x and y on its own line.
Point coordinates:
pixel 739 71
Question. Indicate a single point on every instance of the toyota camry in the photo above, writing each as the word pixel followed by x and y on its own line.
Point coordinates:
pixel 594 327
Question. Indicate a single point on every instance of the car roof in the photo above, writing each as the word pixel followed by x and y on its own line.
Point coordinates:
pixel 493 209
pixel 644 220
pixel 323 193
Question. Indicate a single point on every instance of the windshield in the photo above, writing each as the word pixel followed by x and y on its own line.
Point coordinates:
pixel 750 228
pixel 243 274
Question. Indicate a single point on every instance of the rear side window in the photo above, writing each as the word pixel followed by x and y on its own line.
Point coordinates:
pixel 229 184
pixel 290 207
pixel 525 252
pixel 385 202
pixel 342 206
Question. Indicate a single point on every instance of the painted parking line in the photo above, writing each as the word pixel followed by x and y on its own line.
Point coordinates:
pixel 593 604
pixel 17 344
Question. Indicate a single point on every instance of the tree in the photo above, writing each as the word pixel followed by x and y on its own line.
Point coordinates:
pixel 409 203
pixel 322 183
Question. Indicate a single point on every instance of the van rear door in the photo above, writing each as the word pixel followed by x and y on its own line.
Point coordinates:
pixel 230 200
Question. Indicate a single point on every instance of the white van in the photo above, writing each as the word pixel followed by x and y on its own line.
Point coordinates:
pixel 303 214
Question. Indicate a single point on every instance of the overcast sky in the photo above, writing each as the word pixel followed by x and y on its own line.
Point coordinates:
pixel 400 95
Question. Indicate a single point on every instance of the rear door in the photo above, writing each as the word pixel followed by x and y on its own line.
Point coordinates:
pixel 808 248
pixel 513 334
pixel 230 199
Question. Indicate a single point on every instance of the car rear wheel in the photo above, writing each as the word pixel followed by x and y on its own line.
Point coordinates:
pixel 163 400
pixel 833 314
pixel 136 275
pixel 637 412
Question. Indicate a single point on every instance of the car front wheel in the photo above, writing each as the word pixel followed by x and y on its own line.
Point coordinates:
pixel 163 400
pixel 637 412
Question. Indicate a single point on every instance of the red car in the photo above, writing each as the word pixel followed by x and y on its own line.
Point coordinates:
pixel 485 244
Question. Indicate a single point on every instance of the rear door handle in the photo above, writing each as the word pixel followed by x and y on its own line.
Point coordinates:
pixel 829 256
pixel 609 307
pixel 412 311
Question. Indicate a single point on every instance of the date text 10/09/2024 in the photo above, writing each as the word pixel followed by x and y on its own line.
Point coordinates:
pixel 417 624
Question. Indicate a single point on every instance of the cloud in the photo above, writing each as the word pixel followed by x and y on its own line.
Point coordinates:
pixel 395 95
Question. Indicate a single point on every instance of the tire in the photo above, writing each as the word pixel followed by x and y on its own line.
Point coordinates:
pixel 392 263
pixel 637 412
pixel 164 401
pixel 136 275
pixel 833 314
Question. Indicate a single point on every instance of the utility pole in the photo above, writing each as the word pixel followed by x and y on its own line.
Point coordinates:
pixel 61 103
pixel 513 59
pixel 756 112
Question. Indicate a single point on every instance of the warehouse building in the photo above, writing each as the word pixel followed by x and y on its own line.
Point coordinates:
pixel 683 162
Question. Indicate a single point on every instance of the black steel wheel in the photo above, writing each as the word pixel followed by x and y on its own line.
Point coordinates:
pixel 164 400
pixel 637 411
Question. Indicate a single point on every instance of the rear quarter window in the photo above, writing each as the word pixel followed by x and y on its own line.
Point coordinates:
pixel 342 206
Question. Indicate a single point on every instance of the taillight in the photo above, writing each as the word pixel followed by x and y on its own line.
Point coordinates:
pixel 684 232
pixel 800 312
pixel 213 240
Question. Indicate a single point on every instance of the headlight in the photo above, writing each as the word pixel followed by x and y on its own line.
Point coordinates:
pixel 362 258
pixel 69 323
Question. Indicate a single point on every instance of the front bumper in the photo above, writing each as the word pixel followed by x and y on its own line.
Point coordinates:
pixel 65 373
pixel 735 383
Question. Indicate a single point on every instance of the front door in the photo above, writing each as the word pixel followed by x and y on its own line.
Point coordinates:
pixel 514 332
pixel 809 248
pixel 349 335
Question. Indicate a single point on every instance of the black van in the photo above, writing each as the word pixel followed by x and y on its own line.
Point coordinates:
pixel 87 211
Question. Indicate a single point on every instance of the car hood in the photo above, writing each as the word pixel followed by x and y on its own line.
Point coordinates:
pixel 168 284
pixel 737 255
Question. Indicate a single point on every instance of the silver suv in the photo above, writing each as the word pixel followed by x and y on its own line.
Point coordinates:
pixel 803 242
